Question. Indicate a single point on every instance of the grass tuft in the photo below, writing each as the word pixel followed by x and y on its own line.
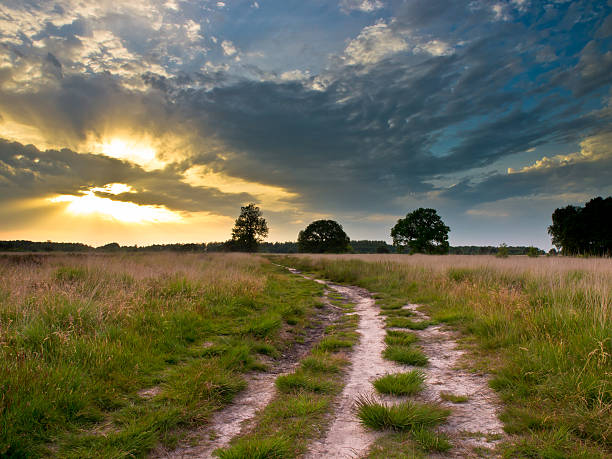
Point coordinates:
pixel 400 337
pixel 431 441
pixel 405 354
pixel 256 448
pixel 403 322
pixel 403 416
pixel 301 381
pixel 409 383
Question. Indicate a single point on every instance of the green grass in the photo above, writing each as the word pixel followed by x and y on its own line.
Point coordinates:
pixel 402 322
pixel 400 337
pixel 453 398
pixel 404 416
pixel 405 354
pixel 256 448
pixel 543 326
pixel 431 441
pixel 82 336
pixel 300 410
pixel 409 383
pixel 300 381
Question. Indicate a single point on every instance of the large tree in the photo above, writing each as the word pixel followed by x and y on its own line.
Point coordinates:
pixel 249 230
pixel 422 231
pixel 323 236
pixel 583 230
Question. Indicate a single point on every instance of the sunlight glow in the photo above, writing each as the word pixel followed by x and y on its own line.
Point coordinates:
pixel 136 152
pixel 269 195
pixel 127 212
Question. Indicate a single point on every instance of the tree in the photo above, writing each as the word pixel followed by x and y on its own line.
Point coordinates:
pixel 249 230
pixel 422 231
pixel 583 230
pixel 502 251
pixel 533 252
pixel 323 236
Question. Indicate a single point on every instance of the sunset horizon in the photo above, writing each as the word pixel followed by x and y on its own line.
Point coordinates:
pixel 153 122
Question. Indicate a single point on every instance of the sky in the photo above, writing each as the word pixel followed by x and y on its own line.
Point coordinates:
pixel 153 121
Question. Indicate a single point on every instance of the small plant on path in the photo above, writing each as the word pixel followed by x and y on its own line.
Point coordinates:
pixel 409 383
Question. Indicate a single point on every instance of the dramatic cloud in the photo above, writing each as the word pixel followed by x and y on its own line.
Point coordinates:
pixel 358 110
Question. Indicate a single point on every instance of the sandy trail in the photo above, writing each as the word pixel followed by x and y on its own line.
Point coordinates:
pixel 346 437
pixel 473 423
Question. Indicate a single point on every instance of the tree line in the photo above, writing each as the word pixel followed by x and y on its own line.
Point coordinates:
pixel 575 230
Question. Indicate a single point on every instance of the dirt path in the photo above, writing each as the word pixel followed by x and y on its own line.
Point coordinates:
pixel 234 419
pixel 346 438
pixel 474 423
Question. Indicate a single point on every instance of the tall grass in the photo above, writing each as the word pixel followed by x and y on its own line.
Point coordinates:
pixel 546 324
pixel 81 336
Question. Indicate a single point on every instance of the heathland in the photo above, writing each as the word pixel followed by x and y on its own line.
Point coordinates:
pixel 123 355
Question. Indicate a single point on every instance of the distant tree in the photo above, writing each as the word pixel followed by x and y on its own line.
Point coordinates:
pixel 502 251
pixel 112 247
pixel 249 230
pixel 382 249
pixel 323 236
pixel 552 252
pixel 583 230
pixel 422 231
pixel 533 252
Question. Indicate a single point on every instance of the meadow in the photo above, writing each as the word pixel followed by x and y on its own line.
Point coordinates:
pixel 541 326
pixel 113 355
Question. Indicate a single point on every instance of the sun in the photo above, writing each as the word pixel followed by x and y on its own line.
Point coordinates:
pixel 89 203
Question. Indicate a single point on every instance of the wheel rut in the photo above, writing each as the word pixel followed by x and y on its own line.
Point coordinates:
pixel 234 419
pixel 473 426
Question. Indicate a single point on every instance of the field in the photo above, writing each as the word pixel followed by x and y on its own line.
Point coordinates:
pixel 129 355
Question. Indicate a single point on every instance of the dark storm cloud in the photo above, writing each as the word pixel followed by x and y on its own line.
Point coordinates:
pixel 501 81
pixel 581 177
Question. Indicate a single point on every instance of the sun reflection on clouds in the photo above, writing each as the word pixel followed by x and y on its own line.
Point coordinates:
pixel 127 212
pixel 136 152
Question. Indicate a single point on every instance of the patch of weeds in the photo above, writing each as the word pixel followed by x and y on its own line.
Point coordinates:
pixel 402 322
pixel 409 383
pixel 431 441
pixel 304 404
pixel 322 363
pixel 332 343
pixel 256 448
pixel 396 445
pixel 453 398
pixel 400 337
pixel 399 313
pixel 405 354
pixel 407 415
pixel 300 381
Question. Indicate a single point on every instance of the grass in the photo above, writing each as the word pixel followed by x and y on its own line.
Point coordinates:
pixel 300 410
pixel 402 322
pixel 405 354
pixel 453 398
pixel 409 383
pixel 256 448
pixel 400 338
pixel 543 326
pixel 303 381
pixel 431 441
pixel 405 416
pixel 83 335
